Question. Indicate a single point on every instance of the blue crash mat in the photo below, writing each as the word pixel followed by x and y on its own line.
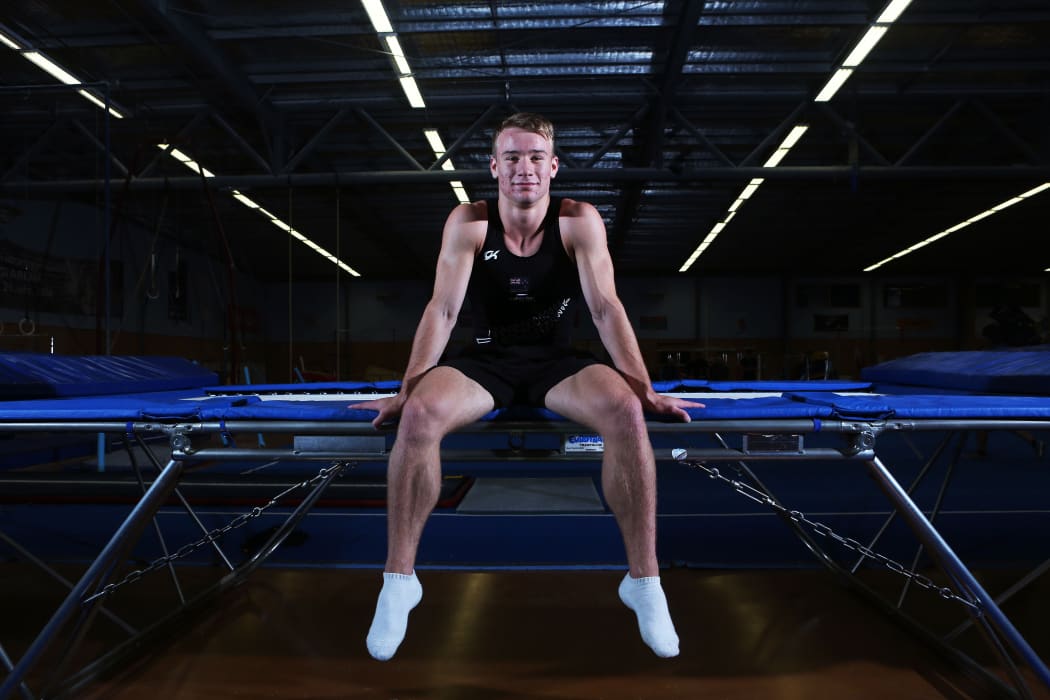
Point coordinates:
pixel 1022 371
pixel 25 375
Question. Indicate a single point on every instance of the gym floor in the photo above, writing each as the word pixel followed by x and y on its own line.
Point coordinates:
pixel 299 633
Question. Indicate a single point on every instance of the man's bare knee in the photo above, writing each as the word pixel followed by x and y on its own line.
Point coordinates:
pixel 624 415
pixel 422 420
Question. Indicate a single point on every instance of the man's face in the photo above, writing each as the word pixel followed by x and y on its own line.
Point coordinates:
pixel 524 165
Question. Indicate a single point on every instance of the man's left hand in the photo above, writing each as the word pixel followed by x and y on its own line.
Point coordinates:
pixel 671 406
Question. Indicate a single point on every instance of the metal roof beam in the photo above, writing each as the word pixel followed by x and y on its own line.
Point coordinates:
pixel 100 146
pixel 681 18
pixel 929 133
pixel 684 25
pixel 615 138
pixel 1007 133
pixel 851 132
pixel 367 118
pixel 240 141
pixel 774 136
pixel 317 138
pixel 466 136
pixel 172 142
pixel 203 52
pixel 699 135
pixel 1034 173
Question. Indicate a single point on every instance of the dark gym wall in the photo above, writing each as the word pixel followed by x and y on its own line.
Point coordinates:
pixel 167 298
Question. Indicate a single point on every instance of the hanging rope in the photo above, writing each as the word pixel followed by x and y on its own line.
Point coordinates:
pixel 338 255
pixel 153 290
pixel 231 274
pixel 102 344
pixel 291 351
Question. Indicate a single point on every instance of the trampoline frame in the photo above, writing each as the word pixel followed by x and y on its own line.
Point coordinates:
pixel 72 619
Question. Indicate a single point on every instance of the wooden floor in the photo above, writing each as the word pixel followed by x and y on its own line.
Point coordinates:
pixel 561 635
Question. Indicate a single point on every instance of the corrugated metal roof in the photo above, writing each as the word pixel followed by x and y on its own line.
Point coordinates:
pixel 664 110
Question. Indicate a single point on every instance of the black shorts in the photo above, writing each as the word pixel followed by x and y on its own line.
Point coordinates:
pixel 519 375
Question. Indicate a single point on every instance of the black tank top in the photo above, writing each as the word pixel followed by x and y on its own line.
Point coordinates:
pixel 523 301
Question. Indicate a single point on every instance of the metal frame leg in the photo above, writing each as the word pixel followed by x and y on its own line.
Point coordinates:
pixel 997 622
pixel 97 573
pixel 76 681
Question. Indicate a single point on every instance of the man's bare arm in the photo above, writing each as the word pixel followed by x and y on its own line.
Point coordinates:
pixel 461 239
pixel 587 240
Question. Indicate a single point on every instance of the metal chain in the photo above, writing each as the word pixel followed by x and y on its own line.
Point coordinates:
pixel 216 534
pixel 823 530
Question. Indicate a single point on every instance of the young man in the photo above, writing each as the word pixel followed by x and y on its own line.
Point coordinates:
pixel 524 259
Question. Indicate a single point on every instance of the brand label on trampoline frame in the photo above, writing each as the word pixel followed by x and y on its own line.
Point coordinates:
pixel 583 443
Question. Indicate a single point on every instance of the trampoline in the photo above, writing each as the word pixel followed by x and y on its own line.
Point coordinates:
pixel 171 410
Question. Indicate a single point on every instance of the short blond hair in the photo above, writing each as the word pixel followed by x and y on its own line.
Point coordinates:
pixel 526 121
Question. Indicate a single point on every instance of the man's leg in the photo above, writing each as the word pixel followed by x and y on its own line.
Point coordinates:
pixel 598 397
pixel 442 401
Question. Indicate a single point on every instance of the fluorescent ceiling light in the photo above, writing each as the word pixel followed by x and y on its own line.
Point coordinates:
pixel 377 13
pixel 865 45
pixel 90 97
pixel 834 83
pixel 790 140
pixel 782 150
pixel 434 139
pixel 856 56
pixel 399 56
pixel 893 11
pixel 9 42
pixel 749 190
pixel 415 97
pixel 460 192
pixel 381 22
pixel 61 74
pixel 246 201
pixel 982 215
pixel 794 135
pixel 185 160
pixel 49 66
pixel 961 225
pixel 1035 190
pixel 438 147
pixel 1008 203
pixel 774 160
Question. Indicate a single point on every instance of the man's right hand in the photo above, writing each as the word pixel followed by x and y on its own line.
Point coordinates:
pixel 389 408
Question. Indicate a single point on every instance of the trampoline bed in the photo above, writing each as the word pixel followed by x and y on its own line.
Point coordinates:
pixel 175 403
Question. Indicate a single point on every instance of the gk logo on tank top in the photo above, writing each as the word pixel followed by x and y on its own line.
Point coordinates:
pixel 491 255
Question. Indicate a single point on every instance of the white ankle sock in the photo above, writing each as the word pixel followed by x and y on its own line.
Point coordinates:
pixel 645 596
pixel 400 593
